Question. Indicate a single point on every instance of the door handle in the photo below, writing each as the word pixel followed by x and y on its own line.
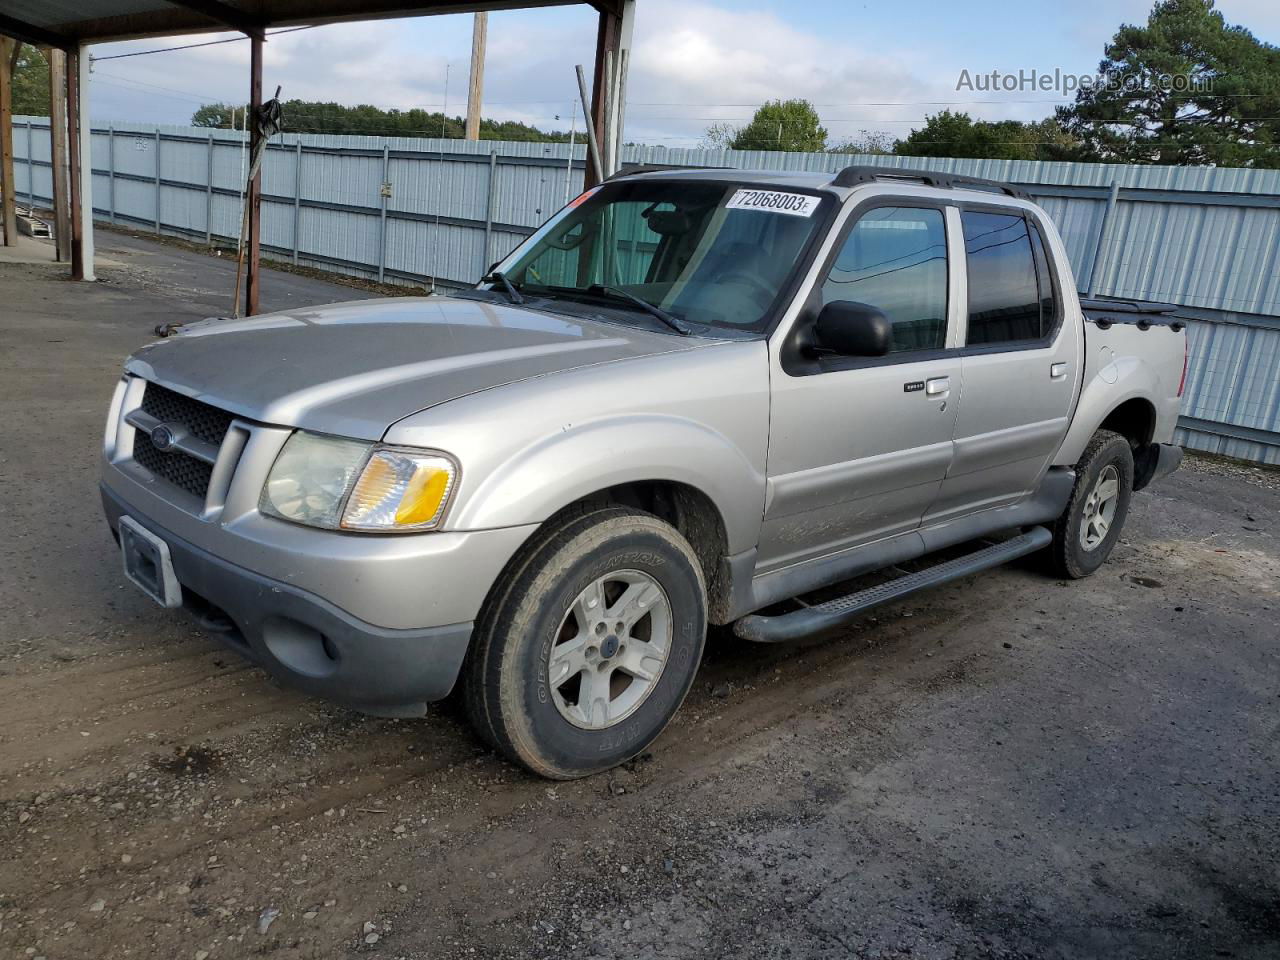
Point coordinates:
pixel 936 386
pixel 1057 371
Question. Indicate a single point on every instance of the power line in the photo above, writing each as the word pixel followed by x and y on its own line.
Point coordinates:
pixel 193 46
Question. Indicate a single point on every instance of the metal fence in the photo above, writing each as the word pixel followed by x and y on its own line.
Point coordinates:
pixel 440 211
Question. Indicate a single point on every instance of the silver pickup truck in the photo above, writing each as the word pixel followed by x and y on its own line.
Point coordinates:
pixel 690 397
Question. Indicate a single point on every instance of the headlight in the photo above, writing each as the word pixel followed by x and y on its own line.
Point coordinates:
pixel 310 479
pixel 347 484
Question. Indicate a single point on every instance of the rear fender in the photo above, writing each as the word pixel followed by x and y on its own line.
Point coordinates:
pixel 1111 384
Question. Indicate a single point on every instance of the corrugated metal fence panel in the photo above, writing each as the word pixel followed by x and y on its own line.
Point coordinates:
pixel 1176 245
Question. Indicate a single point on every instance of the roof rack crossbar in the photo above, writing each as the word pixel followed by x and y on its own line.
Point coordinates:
pixel 855 175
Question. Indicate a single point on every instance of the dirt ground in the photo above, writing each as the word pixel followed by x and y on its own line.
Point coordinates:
pixel 1009 767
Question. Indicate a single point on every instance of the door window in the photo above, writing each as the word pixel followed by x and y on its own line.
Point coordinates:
pixel 1004 292
pixel 895 259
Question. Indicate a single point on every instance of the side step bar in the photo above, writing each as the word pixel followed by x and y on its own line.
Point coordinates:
pixel 842 610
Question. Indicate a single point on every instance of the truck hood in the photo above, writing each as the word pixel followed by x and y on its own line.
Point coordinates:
pixel 353 369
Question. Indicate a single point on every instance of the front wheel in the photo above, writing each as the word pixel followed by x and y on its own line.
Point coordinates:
pixel 1088 529
pixel 583 657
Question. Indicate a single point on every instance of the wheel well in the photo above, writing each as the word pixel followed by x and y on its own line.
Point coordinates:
pixel 1135 420
pixel 687 509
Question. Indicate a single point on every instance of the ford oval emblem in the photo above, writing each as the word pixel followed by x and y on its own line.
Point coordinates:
pixel 162 438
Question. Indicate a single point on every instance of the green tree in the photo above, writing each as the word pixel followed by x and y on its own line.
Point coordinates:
pixel 790 125
pixel 953 134
pixel 307 116
pixel 31 83
pixel 1186 88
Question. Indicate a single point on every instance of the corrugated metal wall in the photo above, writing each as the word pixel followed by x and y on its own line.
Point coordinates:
pixel 1205 238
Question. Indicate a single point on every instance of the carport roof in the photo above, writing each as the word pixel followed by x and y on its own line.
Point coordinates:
pixel 66 23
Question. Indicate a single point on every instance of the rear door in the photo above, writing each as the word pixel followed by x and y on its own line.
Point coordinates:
pixel 1020 366
pixel 858 447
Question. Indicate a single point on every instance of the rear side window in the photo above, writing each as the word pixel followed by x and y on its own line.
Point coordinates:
pixel 1004 293
pixel 895 259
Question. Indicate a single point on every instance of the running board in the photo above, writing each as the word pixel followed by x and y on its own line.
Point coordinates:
pixel 838 612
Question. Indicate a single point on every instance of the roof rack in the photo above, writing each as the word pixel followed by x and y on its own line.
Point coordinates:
pixel 852 176
pixel 633 169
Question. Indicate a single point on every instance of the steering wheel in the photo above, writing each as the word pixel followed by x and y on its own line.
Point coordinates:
pixel 764 292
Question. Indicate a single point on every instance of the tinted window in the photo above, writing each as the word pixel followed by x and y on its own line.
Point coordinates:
pixel 1048 301
pixel 895 258
pixel 1004 297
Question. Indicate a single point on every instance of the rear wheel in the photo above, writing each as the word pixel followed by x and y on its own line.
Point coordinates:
pixel 1087 531
pixel 586 653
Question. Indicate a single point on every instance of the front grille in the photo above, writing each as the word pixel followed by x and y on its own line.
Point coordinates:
pixel 203 421
pixel 199 419
pixel 186 473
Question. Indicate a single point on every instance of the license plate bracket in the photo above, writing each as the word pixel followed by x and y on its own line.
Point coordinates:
pixel 147 563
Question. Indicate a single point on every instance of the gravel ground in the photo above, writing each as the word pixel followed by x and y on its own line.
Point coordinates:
pixel 1008 767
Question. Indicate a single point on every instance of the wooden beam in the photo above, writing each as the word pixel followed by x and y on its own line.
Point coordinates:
pixel 284 13
pixel 254 198
pixel 73 156
pixel 236 19
pixel 30 33
pixel 58 153
pixel 8 218
pixel 608 35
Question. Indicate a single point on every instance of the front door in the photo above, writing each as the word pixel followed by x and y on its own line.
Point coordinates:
pixel 858 447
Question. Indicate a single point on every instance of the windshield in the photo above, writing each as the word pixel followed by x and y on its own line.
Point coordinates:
pixel 708 253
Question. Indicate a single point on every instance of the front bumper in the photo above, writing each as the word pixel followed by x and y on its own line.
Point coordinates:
pixel 305 640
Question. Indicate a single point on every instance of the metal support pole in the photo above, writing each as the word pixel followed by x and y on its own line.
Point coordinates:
pixel 31 169
pixel 254 253
pixel 111 172
pixel 297 197
pixel 208 197
pixel 488 213
pixel 595 169
pixel 382 212
pixel 157 183
pixel 1112 197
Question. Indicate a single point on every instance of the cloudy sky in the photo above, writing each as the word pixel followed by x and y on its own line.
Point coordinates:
pixel 694 62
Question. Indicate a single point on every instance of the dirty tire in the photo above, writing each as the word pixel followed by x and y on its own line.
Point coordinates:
pixel 508 697
pixel 1067 556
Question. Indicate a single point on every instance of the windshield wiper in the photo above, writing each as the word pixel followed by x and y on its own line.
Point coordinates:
pixel 670 319
pixel 509 288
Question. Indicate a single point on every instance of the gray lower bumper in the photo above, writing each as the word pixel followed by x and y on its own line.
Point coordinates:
pixel 307 642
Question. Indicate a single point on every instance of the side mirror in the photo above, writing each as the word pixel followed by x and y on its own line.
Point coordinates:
pixel 854 329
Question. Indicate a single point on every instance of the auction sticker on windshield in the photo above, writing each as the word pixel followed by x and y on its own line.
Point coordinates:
pixel 774 201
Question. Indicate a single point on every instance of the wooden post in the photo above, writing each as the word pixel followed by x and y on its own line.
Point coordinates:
pixel 8 217
pixel 254 198
pixel 73 158
pixel 608 35
pixel 475 92
pixel 58 152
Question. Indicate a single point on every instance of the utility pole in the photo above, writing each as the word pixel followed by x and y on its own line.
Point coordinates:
pixel 7 214
pixel 475 95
